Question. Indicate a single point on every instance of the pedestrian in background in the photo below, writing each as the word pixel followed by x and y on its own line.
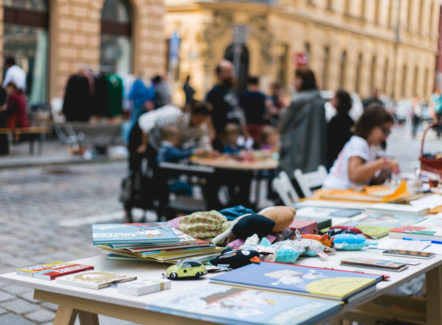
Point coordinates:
pixel 189 92
pixel 14 74
pixel 339 127
pixel 373 99
pixel 436 106
pixel 276 103
pixel 253 102
pixel 303 127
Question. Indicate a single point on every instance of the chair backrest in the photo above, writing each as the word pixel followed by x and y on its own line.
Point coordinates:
pixel 310 180
pixel 283 186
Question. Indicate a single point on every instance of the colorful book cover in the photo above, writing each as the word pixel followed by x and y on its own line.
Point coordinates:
pixel 95 279
pixel 132 233
pixel 301 280
pixel 32 270
pixel 304 226
pixel 64 269
pixel 430 228
pixel 375 263
pixel 377 225
pixel 229 305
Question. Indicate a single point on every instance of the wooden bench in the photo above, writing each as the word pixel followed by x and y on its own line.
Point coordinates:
pixel 31 134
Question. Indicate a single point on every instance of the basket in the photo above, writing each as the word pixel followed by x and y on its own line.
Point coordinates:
pixel 432 165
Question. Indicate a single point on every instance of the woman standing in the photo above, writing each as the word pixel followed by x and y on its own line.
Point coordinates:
pixel 303 127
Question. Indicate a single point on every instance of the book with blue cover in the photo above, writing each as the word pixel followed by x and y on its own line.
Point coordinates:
pixel 301 280
pixel 132 233
pixel 231 305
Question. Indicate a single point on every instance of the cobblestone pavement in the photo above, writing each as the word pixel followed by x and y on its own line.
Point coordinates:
pixel 33 202
pixel 36 202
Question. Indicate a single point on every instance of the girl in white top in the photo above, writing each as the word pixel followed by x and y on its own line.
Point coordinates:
pixel 357 163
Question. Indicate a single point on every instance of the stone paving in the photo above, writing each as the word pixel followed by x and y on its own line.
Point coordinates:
pixel 35 200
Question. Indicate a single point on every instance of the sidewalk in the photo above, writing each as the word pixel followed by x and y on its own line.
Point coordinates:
pixel 54 153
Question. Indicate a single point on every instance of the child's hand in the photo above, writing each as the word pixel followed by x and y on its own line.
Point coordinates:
pixel 393 165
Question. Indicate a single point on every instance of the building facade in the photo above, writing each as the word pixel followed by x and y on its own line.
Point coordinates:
pixel 353 44
pixel 52 39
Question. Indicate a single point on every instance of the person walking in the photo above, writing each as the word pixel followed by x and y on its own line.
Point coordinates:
pixel 339 127
pixel 303 126
pixel 436 106
pixel 189 92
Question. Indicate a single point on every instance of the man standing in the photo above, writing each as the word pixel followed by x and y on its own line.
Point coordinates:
pixel 14 74
pixel 224 101
pixel 436 106
pixel 373 99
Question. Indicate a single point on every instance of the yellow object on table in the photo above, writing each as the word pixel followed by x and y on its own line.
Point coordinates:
pixel 366 194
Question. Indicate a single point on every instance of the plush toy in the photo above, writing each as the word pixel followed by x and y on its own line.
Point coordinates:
pixel 247 225
pixel 236 258
pixel 282 216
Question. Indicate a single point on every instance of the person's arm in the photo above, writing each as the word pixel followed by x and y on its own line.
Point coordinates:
pixel 359 171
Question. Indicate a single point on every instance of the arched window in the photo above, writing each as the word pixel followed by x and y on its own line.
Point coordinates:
pixel 325 67
pixel 25 38
pixel 343 69
pixel 385 79
pixel 358 74
pixel 404 81
pixel 373 73
pixel 430 20
pixel 415 81
pixel 116 36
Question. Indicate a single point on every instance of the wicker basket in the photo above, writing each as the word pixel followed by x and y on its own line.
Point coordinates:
pixel 432 165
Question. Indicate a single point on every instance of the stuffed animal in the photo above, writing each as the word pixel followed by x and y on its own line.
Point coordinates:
pixel 282 216
pixel 236 258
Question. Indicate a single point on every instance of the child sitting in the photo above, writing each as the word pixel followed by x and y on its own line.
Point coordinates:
pixel 229 139
pixel 269 139
pixel 357 164
pixel 171 152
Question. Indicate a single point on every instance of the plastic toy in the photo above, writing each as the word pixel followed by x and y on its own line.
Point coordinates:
pixel 349 242
pixel 287 254
pixel 236 258
pixel 323 239
pixel 186 269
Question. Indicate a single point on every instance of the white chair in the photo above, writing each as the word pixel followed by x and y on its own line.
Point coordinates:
pixel 310 180
pixel 283 186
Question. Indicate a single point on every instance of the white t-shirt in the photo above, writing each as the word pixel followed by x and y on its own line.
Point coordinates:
pixel 16 75
pixel 355 147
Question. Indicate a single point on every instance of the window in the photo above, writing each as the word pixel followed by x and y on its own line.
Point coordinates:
pixel 385 79
pixel 372 73
pixel 390 13
pixel 430 20
pixel 25 38
pixel 116 37
pixel 343 69
pixel 376 11
pixel 362 9
pixel 404 81
pixel 308 50
pixel 358 73
pixel 415 80
pixel 409 3
pixel 419 17
pixel 426 79
pixel 325 67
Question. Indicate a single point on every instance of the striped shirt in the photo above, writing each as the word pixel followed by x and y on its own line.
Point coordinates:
pixel 192 137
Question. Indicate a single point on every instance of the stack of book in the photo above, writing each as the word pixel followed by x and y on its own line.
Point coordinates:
pixel 155 242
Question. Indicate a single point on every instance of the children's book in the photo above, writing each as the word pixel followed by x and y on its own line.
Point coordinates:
pixel 62 270
pixel 142 287
pixel 375 263
pixel 377 225
pixel 304 226
pixel 95 279
pixel 397 209
pixel 430 229
pixel 230 305
pixel 32 270
pixel 132 233
pixel 301 280
pixel 307 211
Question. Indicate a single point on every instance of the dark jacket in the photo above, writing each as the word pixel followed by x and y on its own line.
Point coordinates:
pixel 338 133
pixel 303 133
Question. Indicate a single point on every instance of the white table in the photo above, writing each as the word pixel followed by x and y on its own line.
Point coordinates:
pixel 88 303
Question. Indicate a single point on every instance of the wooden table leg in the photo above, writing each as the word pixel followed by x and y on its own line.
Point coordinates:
pixel 434 296
pixel 87 318
pixel 65 316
